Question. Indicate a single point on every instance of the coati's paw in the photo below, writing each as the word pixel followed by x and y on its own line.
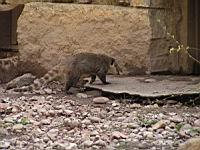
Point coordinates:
pixel 107 83
pixel 69 93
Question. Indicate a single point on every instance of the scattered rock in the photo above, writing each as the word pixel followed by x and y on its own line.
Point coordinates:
pixel 9 120
pixel 133 106
pixel 191 144
pixel 197 123
pixel 37 98
pixel 148 134
pixel 184 130
pixel 159 124
pixel 46 122
pixel 4 107
pixel 20 81
pixel 86 122
pixel 87 143
pixel 52 134
pixel 95 119
pixel 100 100
pixel 81 95
pixel 18 127
pixel 176 119
pixel 150 80
pixel 64 146
pixel 100 143
pixel 118 135
pixel 48 91
pixel 4 145
pixel 68 112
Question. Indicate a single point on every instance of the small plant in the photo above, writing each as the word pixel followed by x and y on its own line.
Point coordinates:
pixel 24 121
pixel 147 122
pixel 122 146
pixel 196 130
pixel 178 127
pixel 180 47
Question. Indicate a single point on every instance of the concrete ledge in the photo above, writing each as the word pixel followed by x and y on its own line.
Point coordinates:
pixel 150 86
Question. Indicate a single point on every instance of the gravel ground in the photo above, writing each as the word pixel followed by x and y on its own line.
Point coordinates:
pixel 89 121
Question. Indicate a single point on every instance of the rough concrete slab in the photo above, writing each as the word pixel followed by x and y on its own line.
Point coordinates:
pixel 150 86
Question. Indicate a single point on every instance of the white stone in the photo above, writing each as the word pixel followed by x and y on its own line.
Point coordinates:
pixel 4 145
pixel 46 122
pixel 159 124
pixel 18 127
pixel 100 100
pixel 133 106
pixel 68 112
pixel 118 135
pixel 87 143
pixel 81 95
pixel 197 122
pixel 95 119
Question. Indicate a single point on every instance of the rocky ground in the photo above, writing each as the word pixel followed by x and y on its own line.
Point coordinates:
pixel 89 121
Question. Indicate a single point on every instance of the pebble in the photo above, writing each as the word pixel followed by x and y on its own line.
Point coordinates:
pixel 197 123
pixel 17 127
pixel 4 145
pixel 191 144
pixel 48 91
pixel 118 135
pixel 46 122
pixel 86 122
pixel 176 119
pixel 100 143
pixel 133 106
pixel 95 119
pixel 37 98
pixel 81 95
pixel 149 80
pixel 9 120
pixel 100 100
pixel 148 134
pixel 159 124
pixel 68 112
pixel 87 143
pixel 52 134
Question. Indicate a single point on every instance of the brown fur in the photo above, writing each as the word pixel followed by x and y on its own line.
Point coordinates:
pixel 81 65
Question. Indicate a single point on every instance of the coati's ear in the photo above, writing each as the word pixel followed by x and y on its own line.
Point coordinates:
pixel 112 61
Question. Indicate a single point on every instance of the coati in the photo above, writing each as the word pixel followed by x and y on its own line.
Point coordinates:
pixel 80 65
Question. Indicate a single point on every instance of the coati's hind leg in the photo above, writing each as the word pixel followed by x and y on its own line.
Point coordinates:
pixel 72 80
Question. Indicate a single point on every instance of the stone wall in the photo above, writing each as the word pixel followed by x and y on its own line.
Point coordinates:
pixel 47 32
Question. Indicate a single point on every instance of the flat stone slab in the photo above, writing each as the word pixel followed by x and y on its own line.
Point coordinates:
pixel 150 86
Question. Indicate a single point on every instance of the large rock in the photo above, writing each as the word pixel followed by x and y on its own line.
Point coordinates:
pixel 191 144
pixel 48 32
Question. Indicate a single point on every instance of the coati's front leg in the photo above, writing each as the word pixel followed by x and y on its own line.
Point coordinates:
pixel 93 78
pixel 102 76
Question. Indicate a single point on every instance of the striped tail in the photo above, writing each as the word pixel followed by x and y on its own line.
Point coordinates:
pixel 38 83
pixel 7 63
